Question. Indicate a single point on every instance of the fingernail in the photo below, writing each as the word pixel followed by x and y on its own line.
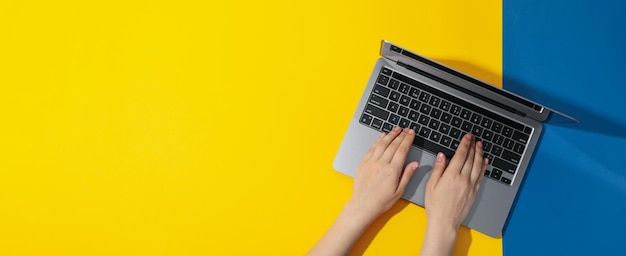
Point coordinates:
pixel 480 144
pixel 382 134
pixel 414 166
pixel 440 157
pixel 411 131
pixel 397 128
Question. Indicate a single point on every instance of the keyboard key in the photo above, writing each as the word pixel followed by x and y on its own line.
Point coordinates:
pixel 432 147
pixel 434 124
pixel 425 109
pixel 498 139
pixel 496 150
pixel 415 104
pixel 507 131
pixel 404 100
pixel 455 144
pixel 527 130
pixel 496 127
pixel 508 144
pixel 393 107
pixel 487 173
pixel 487 135
pixel 455 109
pixel 413 115
pixel 414 92
pixel 387 127
pixel 520 137
pixel 403 111
pixel 376 111
pixel 415 127
pixel 510 156
pixel 381 90
pixel 423 120
pixel 394 119
pixel 435 136
pixel 477 130
pixel 435 113
pixel 446 118
pixel 424 96
pixel 475 118
pixel 395 96
pixel 366 119
pixel 404 123
pixel 486 122
pixel 385 71
pixel 456 122
pixel 445 140
pixel 466 126
pixel 455 133
pixel 394 84
pixel 434 101
pixel 378 101
pixel 486 146
pixel 501 164
pixel 465 114
pixel 444 128
pixel 505 180
pixel 377 123
pixel 424 132
pixel 404 88
pixel 518 148
pixel 495 173
pixel 445 105
pixel 382 79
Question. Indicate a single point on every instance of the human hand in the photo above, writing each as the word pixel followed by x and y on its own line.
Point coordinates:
pixel 450 193
pixel 380 179
pixel 378 184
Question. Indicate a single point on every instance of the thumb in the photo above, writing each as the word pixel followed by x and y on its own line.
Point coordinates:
pixel 409 170
pixel 438 168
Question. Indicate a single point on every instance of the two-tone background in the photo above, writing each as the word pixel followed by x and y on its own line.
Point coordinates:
pixel 209 127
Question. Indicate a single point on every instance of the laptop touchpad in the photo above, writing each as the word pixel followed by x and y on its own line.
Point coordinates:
pixel 415 190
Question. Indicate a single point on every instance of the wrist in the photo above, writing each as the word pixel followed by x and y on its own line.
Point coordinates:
pixel 439 239
pixel 357 215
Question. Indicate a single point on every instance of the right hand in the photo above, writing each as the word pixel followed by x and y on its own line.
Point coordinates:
pixel 450 193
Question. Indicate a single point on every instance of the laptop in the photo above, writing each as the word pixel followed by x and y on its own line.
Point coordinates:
pixel 441 105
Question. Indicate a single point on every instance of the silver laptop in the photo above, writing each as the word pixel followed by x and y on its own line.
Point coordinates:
pixel 441 105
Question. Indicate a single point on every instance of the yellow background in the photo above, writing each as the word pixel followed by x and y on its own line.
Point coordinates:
pixel 205 128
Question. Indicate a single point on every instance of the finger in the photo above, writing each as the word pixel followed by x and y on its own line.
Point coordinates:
pixel 469 161
pixel 370 151
pixel 477 169
pixel 438 168
pixel 410 169
pixel 393 146
pixel 458 160
pixel 482 174
pixel 403 149
pixel 382 145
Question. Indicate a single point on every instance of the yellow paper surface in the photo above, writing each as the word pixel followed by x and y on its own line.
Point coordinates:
pixel 208 127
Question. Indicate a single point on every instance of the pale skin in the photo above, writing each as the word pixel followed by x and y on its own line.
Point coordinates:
pixel 381 180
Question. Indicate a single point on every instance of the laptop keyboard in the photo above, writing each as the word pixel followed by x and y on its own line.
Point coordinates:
pixel 440 120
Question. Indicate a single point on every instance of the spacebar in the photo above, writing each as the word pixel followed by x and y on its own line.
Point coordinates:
pixel 432 147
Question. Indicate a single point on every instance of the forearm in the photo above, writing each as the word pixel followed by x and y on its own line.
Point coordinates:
pixel 439 240
pixel 344 232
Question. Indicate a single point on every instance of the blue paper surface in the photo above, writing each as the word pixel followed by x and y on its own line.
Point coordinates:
pixel 571 56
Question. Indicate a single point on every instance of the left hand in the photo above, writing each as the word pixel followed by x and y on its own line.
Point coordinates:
pixel 380 179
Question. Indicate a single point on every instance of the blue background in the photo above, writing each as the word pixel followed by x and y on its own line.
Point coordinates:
pixel 571 56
